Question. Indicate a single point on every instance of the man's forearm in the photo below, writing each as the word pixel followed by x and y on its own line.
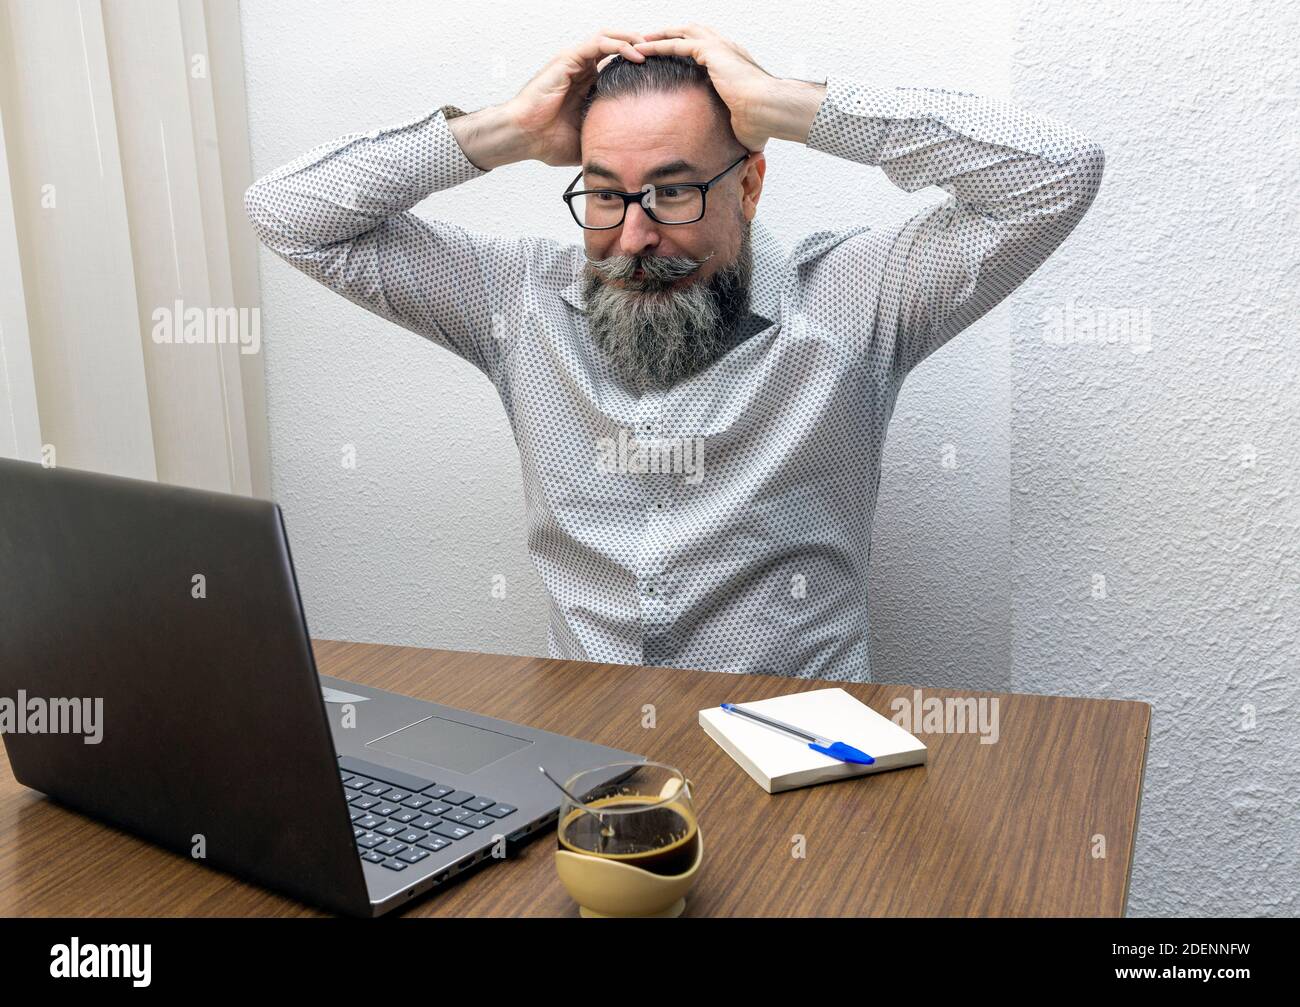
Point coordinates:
pixel 791 108
pixel 489 138
pixel 335 193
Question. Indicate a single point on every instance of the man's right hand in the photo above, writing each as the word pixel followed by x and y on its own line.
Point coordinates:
pixel 546 110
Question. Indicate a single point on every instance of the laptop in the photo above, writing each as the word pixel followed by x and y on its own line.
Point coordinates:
pixel 175 612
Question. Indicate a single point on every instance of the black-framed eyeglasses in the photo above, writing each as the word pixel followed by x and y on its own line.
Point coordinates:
pixel 671 203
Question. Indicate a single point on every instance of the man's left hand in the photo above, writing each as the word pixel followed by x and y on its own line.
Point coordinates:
pixel 746 87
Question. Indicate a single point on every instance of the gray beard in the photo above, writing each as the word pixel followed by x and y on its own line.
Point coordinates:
pixel 658 337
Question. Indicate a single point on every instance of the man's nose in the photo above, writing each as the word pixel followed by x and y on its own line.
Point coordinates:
pixel 639 232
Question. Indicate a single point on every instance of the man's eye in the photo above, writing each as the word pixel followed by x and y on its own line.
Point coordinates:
pixel 604 197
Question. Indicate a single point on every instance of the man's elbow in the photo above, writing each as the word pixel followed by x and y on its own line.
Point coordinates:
pixel 263 207
pixel 255 211
pixel 1087 166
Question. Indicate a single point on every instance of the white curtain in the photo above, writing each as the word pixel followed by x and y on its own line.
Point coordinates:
pixel 130 336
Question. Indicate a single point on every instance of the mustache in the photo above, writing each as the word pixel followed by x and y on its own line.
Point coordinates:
pixel 658 269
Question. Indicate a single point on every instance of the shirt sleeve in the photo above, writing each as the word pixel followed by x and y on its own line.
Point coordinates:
pixel 1017 184
pixel 341 213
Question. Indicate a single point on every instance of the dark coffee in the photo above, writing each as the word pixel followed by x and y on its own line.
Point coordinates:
pixel 663 839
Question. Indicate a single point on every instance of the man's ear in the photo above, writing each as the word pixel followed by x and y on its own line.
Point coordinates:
pixel 752 182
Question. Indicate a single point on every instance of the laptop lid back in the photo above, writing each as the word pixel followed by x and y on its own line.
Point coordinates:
pixel 176 611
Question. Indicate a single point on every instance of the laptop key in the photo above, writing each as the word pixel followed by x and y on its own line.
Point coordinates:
pixel 357 833
pixel 356 783
pixel 437 790
pixel 373 857
pixel 370 840
pixel 410 836
pixel 458 797
pixel 424 822
pixel 390 829
pixel 385 809
pixel 413 856
pixel 370 822
pixel 364 801
pixel 433 843
pixel 397 796
pixel 501 810
pixel 378 789
pixel 479 804
pixel 452 831
pixel 479 821
pixel 406 781
pixel 436 808
pixel 394 865
pixel 405 816
pixel 457 815
pixel 391 848
pixel 417 802
pixel 355 813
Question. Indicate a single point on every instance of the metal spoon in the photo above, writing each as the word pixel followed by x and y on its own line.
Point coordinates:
pixel 605 831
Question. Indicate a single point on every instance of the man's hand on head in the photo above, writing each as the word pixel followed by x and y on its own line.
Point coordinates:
pixel 750 92
pixel 545 111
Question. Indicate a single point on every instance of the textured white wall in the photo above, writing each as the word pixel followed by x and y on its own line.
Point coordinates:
pixel 1172 474
pixel 1072 461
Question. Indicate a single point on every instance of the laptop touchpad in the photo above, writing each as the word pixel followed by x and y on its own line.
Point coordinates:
pixel 449 744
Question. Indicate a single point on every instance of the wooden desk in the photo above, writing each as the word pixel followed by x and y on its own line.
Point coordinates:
pixel 983 829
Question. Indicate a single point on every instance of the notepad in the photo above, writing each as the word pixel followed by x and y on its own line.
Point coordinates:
pixel 779 762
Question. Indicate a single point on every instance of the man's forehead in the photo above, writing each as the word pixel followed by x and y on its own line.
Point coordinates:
pixel 637 169
pixel 649 138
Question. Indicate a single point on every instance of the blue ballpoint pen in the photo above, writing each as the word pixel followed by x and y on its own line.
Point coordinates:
pixel 835 749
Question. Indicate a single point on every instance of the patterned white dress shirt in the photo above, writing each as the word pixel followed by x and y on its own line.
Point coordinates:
pixel 723 524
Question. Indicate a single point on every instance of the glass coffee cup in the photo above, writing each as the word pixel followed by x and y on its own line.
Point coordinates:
pixel 631 847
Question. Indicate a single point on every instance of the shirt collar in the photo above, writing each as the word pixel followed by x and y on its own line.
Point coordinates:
pixel 769 257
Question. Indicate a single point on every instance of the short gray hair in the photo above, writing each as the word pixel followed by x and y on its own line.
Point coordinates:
pixel 621 77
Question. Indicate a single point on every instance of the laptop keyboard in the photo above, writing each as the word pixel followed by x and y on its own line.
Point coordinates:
pixel 399 819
